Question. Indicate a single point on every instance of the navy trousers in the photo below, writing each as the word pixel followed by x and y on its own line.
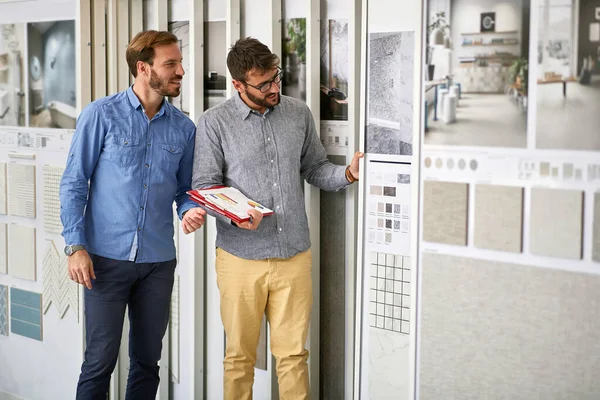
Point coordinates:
pixel 146 290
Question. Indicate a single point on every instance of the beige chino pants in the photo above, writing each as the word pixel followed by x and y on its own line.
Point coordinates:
pixel 281 289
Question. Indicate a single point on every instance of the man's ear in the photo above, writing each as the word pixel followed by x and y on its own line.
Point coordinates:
pixel 239 86
pixel 143 68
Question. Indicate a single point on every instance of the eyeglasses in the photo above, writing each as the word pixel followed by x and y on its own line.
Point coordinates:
pixel 265 87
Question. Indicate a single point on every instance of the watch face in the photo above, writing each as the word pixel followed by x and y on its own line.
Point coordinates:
pixel 68 250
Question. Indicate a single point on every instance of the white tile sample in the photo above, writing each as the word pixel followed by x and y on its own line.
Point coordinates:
pixel 21 257
pixel 495 330
pixel 445 206
pixel 499 218
pixel 596 229
pixel 3 249
pixel 3 193
pixel 52 176
pixel 21 190
pixel 556 223
pixel 3 310
pixel 58 289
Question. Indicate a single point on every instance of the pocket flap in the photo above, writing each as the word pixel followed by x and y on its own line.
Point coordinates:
pixel 126 140
pixel 171 148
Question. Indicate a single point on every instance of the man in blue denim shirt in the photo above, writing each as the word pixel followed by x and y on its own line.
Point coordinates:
pixel 136 151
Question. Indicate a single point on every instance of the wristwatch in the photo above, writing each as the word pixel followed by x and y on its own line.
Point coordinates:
pixel 70 249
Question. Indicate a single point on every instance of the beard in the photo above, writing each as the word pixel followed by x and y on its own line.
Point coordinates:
pixel 271 100
pixel 161 86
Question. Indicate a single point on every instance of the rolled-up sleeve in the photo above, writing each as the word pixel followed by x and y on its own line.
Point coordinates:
pixel 85 150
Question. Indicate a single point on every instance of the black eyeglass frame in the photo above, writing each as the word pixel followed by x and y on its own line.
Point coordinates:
pixel 266 86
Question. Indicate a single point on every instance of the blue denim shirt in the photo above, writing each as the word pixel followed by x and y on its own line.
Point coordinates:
pixel 136 168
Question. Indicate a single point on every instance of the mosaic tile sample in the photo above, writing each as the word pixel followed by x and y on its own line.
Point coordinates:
pixel 3 310
pixel 445 206
pixel 556 223
pixel 58 288
pixel 52 177
pixel 21 190
pixel 3 193
pixel 499 218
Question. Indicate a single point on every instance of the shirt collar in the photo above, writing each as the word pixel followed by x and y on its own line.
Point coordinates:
pixel 135 103
pixel 243 108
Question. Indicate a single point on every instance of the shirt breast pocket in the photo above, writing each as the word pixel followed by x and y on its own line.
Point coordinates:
pixel 170 154
pixel 124 150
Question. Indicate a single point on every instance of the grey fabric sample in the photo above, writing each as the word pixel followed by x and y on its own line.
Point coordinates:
pixel 499 218
pixel 596 228
pixel 332 287
pixel 556 217
pixel 445 207
pixel 492 330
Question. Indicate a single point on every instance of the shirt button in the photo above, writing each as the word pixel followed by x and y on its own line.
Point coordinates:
pixel 268 139
pixel 149 144
pixel 271 161
pixel 139 229
pixel 145 187
pixel 280 229
pixel 277 207
pixel 274 184
pixel 147 166
pixel 142 208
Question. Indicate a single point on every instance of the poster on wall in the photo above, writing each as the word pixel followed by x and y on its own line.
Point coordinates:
pixel 568 77
pixel 12 75
pixel 476 79
pixel 51 62
pixel 181 29
pixel 215 67
pixel 390 85
pixel 334 70
pixel 294 58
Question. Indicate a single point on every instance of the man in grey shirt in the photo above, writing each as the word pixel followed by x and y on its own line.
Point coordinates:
pixel 265 145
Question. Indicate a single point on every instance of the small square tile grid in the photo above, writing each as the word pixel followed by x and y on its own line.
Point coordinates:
pixel 389 292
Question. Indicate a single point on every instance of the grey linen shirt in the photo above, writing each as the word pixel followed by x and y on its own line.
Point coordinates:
pixel 265 156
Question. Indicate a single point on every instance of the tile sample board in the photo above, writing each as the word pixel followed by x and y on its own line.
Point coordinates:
pixel 556 218
pixel 445 206
pixel 596 229
pixel 21 190
pixel 3 310
pixel 21 257
pixel 26 313
pixel 52 177
pixel 3 249
pixel 58 288
pixel 499 218
pixel 3 192
pixel 495 330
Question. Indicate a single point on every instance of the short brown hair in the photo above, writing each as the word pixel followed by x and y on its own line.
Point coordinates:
pixel 141 47
pixel 249 54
